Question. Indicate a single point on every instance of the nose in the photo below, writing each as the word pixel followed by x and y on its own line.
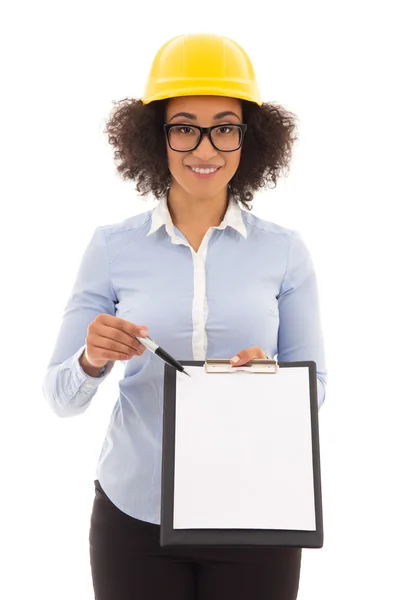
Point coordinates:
pixel 205 149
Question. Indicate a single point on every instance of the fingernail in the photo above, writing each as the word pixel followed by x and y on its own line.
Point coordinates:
pixel 144 332
pixel 235 359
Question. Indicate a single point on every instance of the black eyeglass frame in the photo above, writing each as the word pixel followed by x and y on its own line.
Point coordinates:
pixel 205 131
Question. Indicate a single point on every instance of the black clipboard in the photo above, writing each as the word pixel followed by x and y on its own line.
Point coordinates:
pixel 174 537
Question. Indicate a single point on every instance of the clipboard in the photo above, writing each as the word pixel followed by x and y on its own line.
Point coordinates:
pixel 240 455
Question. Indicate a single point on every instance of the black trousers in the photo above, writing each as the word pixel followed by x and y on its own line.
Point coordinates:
pixel 128 563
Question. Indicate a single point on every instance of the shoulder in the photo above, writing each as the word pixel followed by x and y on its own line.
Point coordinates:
pixel 116 237
pixel 262 227
pixel 126 226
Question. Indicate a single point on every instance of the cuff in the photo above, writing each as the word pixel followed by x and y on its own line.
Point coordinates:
pixel 80 378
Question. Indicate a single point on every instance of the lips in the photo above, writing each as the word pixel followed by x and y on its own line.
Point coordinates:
pixel 204 166
pixel 206 175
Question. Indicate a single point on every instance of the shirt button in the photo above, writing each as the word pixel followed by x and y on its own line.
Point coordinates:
pixel 89 385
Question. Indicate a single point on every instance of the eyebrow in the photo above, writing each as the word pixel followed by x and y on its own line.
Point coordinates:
pixel 220 115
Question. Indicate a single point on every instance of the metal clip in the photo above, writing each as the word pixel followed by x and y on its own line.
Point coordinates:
pixel 257 365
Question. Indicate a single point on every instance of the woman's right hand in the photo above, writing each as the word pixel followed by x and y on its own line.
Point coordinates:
pixel 112 338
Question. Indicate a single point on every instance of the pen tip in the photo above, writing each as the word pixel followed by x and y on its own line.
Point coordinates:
pixel 186 373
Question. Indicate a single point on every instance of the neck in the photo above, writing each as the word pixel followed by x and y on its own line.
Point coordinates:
pixel 196 212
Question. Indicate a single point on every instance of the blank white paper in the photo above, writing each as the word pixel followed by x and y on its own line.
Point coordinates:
pixel 243 451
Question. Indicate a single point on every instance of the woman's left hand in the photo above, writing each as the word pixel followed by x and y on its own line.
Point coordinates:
pixel 248 354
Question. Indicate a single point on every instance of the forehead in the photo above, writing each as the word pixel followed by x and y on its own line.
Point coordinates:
pixel 203 106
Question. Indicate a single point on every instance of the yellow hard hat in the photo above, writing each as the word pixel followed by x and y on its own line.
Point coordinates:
pixel 201 64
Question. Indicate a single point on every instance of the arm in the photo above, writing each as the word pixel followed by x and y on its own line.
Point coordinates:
pixel 70 384
pixel 88 368
pixel 300 334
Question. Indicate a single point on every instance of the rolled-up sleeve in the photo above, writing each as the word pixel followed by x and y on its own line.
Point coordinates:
pixel 66 387
pixel 300 335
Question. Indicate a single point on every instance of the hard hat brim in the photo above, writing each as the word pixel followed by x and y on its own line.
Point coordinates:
pixel 206 90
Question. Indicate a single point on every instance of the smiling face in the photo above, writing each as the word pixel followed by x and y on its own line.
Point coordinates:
pixel 203 111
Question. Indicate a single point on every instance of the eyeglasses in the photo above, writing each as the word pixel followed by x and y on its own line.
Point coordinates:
pixel 225 138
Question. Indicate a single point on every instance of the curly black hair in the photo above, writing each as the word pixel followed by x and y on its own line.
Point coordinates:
pixel 136 132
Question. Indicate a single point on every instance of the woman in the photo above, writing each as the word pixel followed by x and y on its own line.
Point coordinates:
pixel 208 279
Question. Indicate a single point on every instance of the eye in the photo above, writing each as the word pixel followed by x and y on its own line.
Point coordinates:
pixel 226 127
pixel 184 129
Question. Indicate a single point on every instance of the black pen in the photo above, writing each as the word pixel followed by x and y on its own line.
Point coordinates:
pixel 156 349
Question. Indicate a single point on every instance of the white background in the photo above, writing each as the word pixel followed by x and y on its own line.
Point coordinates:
pixel 333 65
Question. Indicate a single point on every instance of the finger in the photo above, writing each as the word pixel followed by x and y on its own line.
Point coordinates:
pixel 114 339
pixel 122 336
pixel 113 355
pixel 129 328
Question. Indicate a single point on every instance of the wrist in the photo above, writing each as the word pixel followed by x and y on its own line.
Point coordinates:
pixel 88 368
